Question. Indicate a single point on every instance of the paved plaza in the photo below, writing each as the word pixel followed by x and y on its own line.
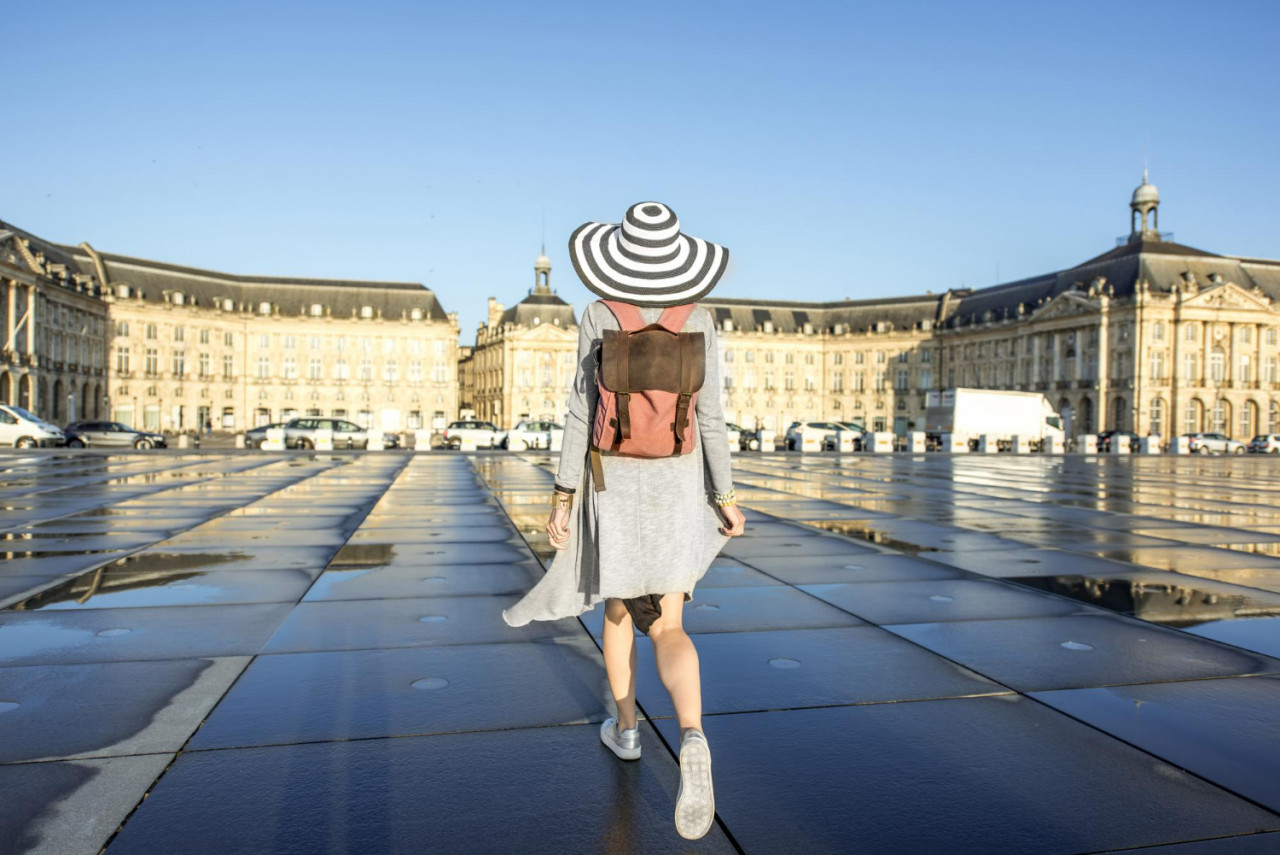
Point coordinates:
pixel 303 653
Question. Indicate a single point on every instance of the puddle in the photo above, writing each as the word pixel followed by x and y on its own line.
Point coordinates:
pixel 5 706
pixel 430 683
pixel 432 619
pixel 942 598
pixel 1177 601
pixel 1076 645
pixel 706 607
pixel 784 662
pixel 109 633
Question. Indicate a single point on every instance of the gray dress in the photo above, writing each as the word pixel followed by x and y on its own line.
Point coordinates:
pixel 655 528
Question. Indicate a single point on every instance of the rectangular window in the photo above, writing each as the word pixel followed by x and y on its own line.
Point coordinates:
pixel 341 370
pixel 926 378
pixel 1271 337
pixel 1246 369
pixel 264 368
pixel 153 362
pixel 290 342
pixel 291 367
pixel 1157 331
pixel 314 369
pixel 179 363
pixel 228 339
pixel 1189 332
pixel 204 364
pixel 903 379
pixel 859 358
pixel 390 372
pixel 905 356
pixel 366 369
pixel 859 382
pixel 1246 335
pixel 204 336
pixel 122 360
pixel 228 366
pixel 1273 370
pixel 926 356
pixel 837 359
pixel 315 344
pixel 415 371
pixel 264 341
pixel 881 381
pixel 789 381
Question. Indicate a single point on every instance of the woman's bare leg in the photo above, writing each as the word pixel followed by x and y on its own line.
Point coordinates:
pixel 620 660
pixel 678 662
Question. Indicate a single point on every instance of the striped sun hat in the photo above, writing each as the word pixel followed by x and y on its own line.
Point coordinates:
pixel 645 259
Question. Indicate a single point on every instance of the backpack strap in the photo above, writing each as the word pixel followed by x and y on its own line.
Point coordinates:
pixel 688 360
pixel 629 317
pixel 674 317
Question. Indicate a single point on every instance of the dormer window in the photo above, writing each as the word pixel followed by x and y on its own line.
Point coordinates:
pixel 178 298
pixel 768 326
pixel 317 310
pixel 264 308
pixel 727 325
pixel 366 311
pixel 228 305
pixel 415 314
pixel 122 291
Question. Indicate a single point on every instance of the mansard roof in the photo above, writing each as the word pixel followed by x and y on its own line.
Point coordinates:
pixel 857 315
pixel 151 280
pixel 541 308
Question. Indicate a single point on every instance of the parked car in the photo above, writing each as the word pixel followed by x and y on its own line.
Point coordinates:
pixel 735 434
pixel 485 434
pixel 1265 443
pixel 1108 436
pixel 532 434
pixel 22 429
pixel 301 433
pixel 112 435
pixel 798 431
pixel 1204 443
pixel 254 437
pixel 749 440
pixel 832 441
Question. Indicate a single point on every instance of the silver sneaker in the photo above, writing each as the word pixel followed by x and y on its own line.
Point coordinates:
pixel 695 801
pixel 624 743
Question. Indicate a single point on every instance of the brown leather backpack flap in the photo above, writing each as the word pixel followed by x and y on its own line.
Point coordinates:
pixel 650 359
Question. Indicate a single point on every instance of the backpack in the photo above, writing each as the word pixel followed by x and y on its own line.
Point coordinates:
pixel 648 377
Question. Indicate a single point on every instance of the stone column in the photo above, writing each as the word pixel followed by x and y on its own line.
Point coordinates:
pixel 1102 405
pixel 1056 343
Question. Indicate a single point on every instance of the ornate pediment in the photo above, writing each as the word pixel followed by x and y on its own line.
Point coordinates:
pixel 1066 304
pixel 546 332
pixel 1228 295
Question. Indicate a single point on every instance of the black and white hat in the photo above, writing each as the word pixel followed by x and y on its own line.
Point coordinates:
pixel 645 259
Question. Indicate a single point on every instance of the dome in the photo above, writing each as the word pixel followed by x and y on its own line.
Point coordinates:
pixel 544 263
pixel 1146 194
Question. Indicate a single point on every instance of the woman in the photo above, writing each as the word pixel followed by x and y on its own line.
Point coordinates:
pixel 637 532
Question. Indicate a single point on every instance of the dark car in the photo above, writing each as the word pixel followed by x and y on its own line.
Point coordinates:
pixel 112 435
pixel 1107 436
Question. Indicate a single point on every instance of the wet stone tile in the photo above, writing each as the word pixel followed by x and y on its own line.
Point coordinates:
pixel 947 759
pixel 1031 654
pixel 1191 559
pixel 940 600
pixel 107 709
pixel 360 583
pixel 472 533
pixel 1260 634
pixel 1234 722
pixel 71 806
pixel 729 573
pixel 788 669
pixel 417 622
pixel 871 567
pixel 1266 843
pixel 746 609
pixel 782 547
pixel 117 635
pixel 409 691
pixel 1019 563
pixel 399 795
pixel 424 555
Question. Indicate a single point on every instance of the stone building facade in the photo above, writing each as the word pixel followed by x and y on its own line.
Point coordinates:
pixel 53 361
pixel 180 348
pixel 524 358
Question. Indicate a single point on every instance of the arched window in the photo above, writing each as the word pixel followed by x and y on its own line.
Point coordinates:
pixel 1221 416
pixel 1248 419
pixel 1156 416
pixel 1191 423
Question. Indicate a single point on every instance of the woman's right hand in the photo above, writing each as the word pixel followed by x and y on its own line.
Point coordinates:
pixel 735 522
pixel 558 528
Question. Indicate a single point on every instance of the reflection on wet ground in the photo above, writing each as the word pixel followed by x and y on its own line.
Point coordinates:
pixel 952 630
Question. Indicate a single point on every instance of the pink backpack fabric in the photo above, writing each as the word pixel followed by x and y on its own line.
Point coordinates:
pixel 648 377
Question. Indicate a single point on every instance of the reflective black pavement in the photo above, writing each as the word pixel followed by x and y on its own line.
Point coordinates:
pixel 294 653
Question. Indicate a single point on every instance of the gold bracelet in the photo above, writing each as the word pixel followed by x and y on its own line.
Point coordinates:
pixel 724 500
pixel 561 500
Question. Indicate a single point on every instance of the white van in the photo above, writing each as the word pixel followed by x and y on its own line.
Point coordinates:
pixel 21 429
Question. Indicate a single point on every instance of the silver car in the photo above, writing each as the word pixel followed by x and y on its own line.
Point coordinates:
pixel 112 435
pixel 1204 443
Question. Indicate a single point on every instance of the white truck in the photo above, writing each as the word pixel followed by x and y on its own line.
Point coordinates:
pixel 997 413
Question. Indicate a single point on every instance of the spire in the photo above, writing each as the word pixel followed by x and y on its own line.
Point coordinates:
pixel 542 273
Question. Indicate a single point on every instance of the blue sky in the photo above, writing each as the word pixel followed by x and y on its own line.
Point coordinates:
pixel 839 149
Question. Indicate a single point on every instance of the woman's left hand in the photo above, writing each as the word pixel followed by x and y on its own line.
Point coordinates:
pixel 558 528
pixel 736 523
